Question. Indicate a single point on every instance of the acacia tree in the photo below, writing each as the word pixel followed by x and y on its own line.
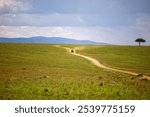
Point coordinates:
pixel 140 40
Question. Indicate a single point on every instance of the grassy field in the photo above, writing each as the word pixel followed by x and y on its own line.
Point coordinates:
pixel 43 71
pixel 131 58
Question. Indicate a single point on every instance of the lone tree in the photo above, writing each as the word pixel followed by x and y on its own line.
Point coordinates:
pixel 140 40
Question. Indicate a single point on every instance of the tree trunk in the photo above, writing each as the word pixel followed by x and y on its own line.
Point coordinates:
pixel 139 43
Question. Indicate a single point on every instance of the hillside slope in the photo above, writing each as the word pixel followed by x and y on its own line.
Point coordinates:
pixel 51 40
pixel 43 71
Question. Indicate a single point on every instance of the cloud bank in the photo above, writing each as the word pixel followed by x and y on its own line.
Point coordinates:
pixel 111 21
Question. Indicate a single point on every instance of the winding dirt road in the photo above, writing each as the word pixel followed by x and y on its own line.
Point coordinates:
pixel 100 65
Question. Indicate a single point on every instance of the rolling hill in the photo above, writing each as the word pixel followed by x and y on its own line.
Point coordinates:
pixel 51 40
pixel 47 72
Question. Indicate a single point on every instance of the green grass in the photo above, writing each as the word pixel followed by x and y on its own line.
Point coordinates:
pixel 43 71
pixel 131 58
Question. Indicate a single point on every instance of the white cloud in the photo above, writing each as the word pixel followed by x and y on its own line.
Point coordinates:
pixel 29 31
pixel 100 34
pixel 118 35
pixel 13 6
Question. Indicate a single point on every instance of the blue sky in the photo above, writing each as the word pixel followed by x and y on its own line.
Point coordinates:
pixel 110 21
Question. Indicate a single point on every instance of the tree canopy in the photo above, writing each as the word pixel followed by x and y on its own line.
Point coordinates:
pixel 140 40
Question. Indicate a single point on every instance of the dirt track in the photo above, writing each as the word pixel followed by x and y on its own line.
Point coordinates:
pixel 98 64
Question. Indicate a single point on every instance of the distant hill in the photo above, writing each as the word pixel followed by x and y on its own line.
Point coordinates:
pixel 51 40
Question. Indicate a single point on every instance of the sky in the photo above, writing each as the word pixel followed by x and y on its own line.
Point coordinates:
pixel 109 21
